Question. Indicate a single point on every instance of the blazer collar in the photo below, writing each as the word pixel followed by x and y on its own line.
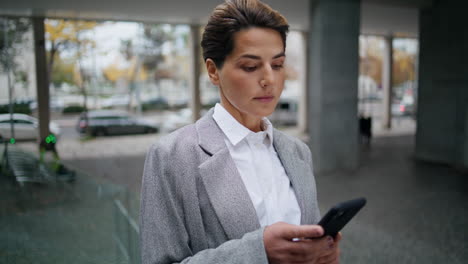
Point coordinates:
pixel 210 136
pixel 223 183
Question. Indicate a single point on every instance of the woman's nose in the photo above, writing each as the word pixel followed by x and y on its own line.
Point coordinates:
pixel 268 77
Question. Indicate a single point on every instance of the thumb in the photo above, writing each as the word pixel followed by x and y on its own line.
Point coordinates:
pixel 303 231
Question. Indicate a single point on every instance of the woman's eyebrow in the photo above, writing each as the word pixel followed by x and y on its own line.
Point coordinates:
pixel 255 57
pixel 281 54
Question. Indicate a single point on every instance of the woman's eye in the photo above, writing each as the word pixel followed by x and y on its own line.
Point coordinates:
pixel 249 68
pixel 277 66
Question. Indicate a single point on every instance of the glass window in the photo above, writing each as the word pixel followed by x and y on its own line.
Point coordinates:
pixel 404 80
pixel 90 187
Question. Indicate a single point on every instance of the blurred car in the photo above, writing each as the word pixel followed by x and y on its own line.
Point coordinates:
pixel 55 104
pixel 112 122
pixel 158 103
pixel 118 100
pixel 286 113
pixel 177 120
pixel 402 109
pixel 405 107
pixel 25 127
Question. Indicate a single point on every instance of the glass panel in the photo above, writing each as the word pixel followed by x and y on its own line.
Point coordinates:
pixel 404 83
pixel 52 216
pixel 79 200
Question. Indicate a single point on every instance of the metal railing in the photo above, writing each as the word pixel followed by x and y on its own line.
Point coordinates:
pixel 126 235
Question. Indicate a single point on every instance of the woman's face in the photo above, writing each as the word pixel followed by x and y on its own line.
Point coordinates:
pixel 252 77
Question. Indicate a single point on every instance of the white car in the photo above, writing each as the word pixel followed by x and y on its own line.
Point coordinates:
pixel 25 127
pixel 119 100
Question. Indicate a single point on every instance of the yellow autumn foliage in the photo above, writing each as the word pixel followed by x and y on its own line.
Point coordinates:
pixel 115 72
pixel 60 30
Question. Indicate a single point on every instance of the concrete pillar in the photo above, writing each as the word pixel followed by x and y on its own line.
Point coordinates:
pixel 194 82
pixel 333 82
pixel 441 134
pixel 387 76
pixel 42 83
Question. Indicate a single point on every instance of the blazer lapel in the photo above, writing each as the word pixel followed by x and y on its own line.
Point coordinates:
pixel 298 172
pixel 223 183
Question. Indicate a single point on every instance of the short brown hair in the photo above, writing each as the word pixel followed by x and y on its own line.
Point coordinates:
pixel 233 16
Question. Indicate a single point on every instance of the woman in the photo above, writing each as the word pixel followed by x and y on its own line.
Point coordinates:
pixel 230 188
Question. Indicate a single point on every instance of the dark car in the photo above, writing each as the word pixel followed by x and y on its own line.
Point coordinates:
pixel 111 122
pixel 158 103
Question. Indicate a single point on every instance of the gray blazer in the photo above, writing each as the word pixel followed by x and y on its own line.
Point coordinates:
pixel 194 205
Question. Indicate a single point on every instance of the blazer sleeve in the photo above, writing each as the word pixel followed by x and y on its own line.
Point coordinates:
pixel 163 234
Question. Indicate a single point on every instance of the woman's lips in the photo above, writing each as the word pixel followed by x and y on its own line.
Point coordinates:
pixel 264 99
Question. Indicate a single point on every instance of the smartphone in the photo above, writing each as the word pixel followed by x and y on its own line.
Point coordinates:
pixel 339 215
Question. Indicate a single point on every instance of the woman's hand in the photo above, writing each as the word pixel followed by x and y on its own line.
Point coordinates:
pixel 334 256
pixel 286 243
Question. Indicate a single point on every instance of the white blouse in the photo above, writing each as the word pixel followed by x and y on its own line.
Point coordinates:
pixel 261 170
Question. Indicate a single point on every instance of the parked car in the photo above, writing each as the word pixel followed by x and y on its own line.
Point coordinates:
pixel 55 104
pixel 25 127
pixel 286 113
pixel 112 122
pixel 159 103
pixel 177 120
pixel 118 100
pixel 405 107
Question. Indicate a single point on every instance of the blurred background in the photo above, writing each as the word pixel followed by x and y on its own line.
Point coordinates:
pixel 377 88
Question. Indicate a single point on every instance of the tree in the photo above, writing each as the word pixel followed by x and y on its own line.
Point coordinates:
pixel 403 67
pixel 371 57
pixel 116 71
pixel 62 71
pixel 12 38
pixel 146 54
pixel 64 34
pixel 371 66
pixel 371 62
pixel 70 35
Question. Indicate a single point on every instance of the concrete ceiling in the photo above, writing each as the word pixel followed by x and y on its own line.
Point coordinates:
pixel 380 17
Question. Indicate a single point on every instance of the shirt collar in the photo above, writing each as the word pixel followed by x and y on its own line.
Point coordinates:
pixel 235 131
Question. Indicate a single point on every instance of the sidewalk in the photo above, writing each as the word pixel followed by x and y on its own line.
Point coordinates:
pixel 416 213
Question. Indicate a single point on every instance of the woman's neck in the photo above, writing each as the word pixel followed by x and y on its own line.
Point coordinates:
pixel 253 123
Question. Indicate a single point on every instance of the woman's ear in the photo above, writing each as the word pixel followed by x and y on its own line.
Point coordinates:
pixel 212 71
